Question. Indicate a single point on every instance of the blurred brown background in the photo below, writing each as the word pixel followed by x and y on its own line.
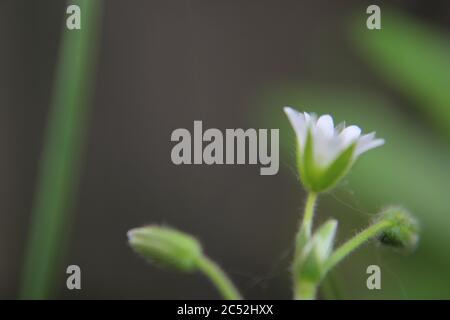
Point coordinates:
pixel 162 65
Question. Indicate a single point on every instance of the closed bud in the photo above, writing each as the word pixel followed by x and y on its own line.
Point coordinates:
pixel 311 265
pixel 404 230
pixel 166 247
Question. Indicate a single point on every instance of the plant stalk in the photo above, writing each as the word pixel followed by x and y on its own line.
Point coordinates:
pixel 219 279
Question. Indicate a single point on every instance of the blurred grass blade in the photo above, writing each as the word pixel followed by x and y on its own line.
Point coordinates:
pixel 414 57
pixel 60 163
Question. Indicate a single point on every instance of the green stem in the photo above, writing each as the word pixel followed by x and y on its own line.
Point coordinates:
pixel 305 230
pixel 63 146
pixel 303 289
pixel 355 242
pixel 309 212
pixel 219 279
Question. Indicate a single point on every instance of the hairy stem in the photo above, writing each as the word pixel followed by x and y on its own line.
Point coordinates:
pixel 305 230
pixel 219 279
pixel 348 247
pixel 302 289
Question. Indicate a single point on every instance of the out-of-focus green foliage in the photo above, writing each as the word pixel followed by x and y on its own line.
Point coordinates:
pixel 414 58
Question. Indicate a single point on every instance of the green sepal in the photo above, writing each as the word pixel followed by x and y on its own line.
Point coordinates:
pixel 310 265
pixel 306 162
pixel 322 179
pixel 339 168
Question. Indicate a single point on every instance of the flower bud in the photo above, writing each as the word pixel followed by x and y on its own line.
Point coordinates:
pixel 404 230
pixel 310 266
pixel 166 247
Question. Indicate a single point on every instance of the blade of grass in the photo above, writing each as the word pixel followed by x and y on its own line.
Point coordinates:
pixel 60 163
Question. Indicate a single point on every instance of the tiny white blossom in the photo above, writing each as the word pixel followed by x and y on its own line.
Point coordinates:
pixel 328 144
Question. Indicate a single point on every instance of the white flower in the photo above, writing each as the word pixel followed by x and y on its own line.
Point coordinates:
pixel 326 152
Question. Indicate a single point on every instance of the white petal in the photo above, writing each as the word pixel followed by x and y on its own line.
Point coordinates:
pixel 349 135
pixel 298 122
pixel 325 125
pixel 307 116
pixel 326 150
pixel 367 142
pixel 366 138
pixel 296 119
